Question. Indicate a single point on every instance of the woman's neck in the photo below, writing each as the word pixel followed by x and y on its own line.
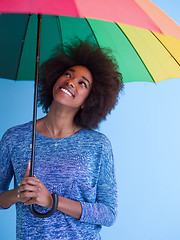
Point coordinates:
pixel 57 123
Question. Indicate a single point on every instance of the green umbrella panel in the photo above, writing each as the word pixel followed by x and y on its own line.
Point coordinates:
pixel 135 49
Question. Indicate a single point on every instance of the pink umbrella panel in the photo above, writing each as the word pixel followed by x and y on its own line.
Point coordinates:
pixel 139 13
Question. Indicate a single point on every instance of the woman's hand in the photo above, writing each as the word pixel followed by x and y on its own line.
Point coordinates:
pixel 33 191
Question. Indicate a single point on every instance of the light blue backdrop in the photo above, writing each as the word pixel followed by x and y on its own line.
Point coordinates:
pixel 145 133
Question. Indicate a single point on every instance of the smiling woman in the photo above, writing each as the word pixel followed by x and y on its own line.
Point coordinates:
pixel 76 83
pixel 107 81
pixel 78 87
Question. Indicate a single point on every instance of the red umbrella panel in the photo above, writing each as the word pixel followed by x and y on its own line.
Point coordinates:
pixel 139 13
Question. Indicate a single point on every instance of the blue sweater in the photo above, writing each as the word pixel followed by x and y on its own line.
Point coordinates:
pixel 80 168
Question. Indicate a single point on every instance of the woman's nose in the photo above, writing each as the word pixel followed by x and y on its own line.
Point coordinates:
pixel 70 83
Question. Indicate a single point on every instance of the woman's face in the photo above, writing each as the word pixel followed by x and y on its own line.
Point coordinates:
pixel 73 87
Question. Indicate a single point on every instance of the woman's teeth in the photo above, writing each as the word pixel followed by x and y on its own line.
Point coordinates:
pixel 67 92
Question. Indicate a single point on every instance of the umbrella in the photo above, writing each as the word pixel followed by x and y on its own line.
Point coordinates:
pixel 141 35
pixel 145 42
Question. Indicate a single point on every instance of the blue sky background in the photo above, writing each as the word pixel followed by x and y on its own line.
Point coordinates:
pixel 145 133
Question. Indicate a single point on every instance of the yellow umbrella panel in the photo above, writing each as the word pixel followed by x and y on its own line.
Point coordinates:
pixel 142 55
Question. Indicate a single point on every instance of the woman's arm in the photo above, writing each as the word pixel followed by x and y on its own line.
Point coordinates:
pixel 70 207
pixel 8 198
pixel 101 212
pixel 33 191
pixel 104 210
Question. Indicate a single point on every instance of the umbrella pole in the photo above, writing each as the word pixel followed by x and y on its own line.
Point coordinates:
pixel 35 97
pixel 54 195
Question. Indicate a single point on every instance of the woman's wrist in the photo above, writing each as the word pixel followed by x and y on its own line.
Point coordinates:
pixel 50 201
pixel 8 198
pixel 69 207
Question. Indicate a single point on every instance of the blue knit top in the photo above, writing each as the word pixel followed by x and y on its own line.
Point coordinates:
pixel 80 168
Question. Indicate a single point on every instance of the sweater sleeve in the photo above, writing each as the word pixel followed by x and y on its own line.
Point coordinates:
pixel 6 169
pixel 104 210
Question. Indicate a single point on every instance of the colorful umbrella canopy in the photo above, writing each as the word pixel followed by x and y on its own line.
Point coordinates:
pixel 144 40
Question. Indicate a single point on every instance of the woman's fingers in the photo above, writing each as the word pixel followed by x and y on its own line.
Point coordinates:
pixel 21 198
pixel 33 191
pixel 29 194
pixel 30 201
pixel 30 180
pixel 28 188
pixel 27 174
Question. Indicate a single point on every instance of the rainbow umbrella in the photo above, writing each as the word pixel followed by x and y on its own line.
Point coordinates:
pixel 144 40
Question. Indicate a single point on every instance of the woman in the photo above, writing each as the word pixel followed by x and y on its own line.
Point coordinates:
pixel 78 87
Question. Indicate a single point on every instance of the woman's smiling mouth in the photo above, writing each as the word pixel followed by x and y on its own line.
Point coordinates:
pixel 66 91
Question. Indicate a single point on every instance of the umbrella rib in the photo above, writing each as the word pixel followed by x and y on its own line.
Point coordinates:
pixel 22 47
pixel 165 48
pixel 92 31
pixel 136 52
pixel 59 29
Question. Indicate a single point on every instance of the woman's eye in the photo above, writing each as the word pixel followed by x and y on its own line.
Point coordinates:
pixel 67 74
pixel 83 84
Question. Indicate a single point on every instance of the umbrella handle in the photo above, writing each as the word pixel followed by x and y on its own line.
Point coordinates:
pixel 47 214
